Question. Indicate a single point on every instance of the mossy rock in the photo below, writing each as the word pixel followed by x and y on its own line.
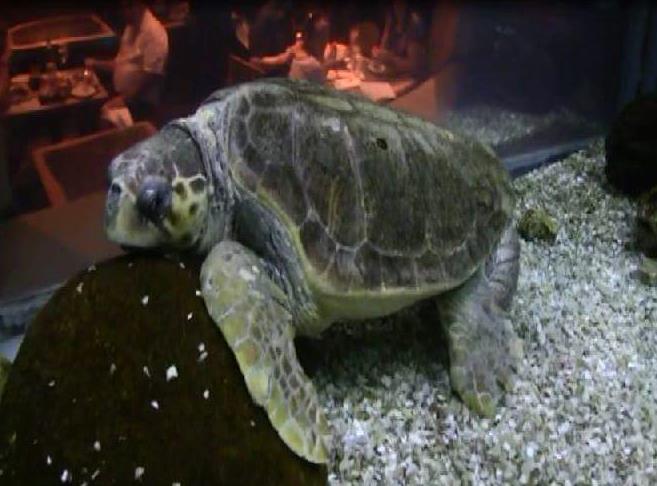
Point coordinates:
pixel 646 223
pixel 5 367
pixel 79 378
pixel 631 147
pixel 647 271
pixel 537 224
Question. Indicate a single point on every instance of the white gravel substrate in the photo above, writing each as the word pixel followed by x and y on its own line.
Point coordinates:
pixel 496 125
pixel 584 407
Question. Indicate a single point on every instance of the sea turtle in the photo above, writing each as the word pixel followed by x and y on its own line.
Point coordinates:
pixel 315 206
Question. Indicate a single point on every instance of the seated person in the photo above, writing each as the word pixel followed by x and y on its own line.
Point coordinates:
pixel 362 38
pixel 138 68
pixel 402 44
pixel 5 195
pixel 306 56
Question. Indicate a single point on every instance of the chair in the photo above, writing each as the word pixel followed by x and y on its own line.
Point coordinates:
pixel 74 168
pixel 240 71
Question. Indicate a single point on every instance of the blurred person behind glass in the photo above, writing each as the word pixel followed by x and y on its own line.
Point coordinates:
pixel 5 194
pixel 139 66
pixel 305 57
pixel 403 41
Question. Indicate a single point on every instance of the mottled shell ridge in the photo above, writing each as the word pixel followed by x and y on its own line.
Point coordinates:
pixel 375 199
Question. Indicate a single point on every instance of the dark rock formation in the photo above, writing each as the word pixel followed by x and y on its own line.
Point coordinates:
pixel 632 147
pixel 646 223
pixel 88 398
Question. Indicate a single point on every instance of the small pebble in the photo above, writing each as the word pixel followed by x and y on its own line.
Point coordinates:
pixel 198 293
pixel 91 268
pixel 66 476
pixel 201 347
pixel 147 371
pixel 48 460
pixel 155 405
pixel 79 287
pixel 189 316
pixel 252 423
pixel 139 472
pixel 112 369
pixel 206 394
pixel 97 446
pixel 204 355
pixel 144 300
pixel 51 383
pixel 181 264
pixel 95 474
pixel 172 373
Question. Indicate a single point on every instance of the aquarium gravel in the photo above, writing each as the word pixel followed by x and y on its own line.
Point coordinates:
pixel 584 406
pixel 496 125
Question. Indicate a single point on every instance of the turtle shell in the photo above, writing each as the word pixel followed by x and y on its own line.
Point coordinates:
pixel 374 198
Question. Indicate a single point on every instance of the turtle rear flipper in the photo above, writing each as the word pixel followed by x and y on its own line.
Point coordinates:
pixel 483 348
pixel 253 315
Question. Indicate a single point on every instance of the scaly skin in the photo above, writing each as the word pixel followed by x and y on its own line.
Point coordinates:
pixel 253 314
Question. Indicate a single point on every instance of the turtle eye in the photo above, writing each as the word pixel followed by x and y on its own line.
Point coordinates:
pixel 154 198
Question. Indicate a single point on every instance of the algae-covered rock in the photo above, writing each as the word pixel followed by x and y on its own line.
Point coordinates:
pixel 537 224
pixel 646 227
pixel 647 271
pixel 123 375
pixel 5 366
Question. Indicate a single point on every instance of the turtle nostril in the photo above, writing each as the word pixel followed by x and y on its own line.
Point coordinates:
pixel 154 199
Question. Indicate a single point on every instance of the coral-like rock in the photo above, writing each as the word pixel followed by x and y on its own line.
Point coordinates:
pixel 537 224
pixel 89 398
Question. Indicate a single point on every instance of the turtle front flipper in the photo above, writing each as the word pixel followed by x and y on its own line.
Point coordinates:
pixel 254 317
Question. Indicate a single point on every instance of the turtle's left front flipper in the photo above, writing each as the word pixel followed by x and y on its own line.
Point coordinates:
pixel 254 317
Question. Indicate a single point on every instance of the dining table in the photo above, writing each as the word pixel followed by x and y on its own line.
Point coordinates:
pixel 376 88
pixel 25 99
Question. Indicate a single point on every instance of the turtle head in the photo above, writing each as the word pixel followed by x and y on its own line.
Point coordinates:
pixel 159 193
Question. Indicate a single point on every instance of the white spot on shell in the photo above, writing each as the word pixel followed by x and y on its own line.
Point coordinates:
pixel 79 287
pixel 144 300
pixel 172 372
pixel 155 405
pixel 139 472
pixel 246 275
pixel 333 124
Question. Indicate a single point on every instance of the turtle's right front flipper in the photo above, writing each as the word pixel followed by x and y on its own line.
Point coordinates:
pixel 253 315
